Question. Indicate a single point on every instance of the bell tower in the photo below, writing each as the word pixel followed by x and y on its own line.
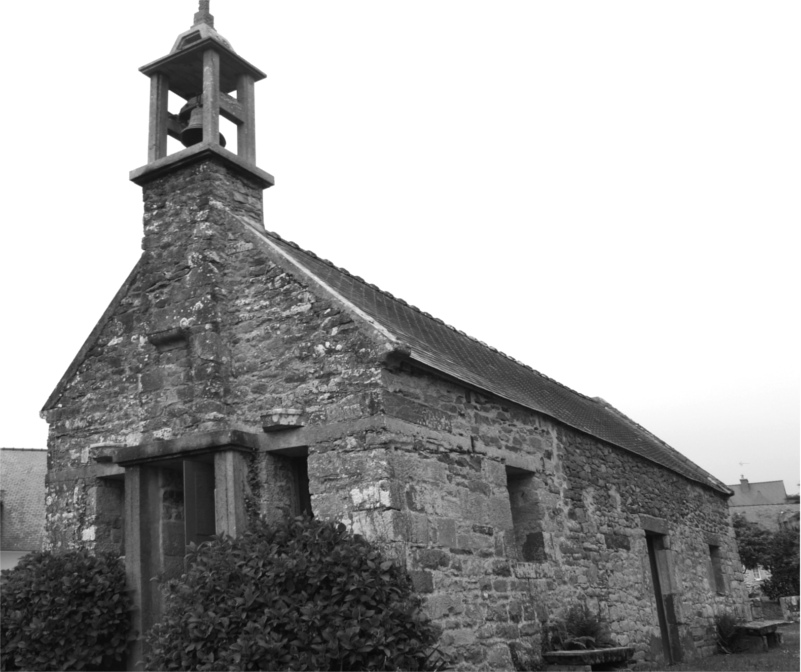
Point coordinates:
pixel 204 70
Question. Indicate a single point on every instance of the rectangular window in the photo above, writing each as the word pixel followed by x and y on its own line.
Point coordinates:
pixel 529 541
pixel 716 578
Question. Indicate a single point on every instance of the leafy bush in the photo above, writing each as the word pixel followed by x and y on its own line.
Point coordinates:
pixel 302 595
pixel 753 542
pixel 782 561
pixel 775 551
pixel 64 611
pixel 579 629
pixel 726 629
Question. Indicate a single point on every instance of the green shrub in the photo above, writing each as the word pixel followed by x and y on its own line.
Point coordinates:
pixel 64 611
pixel 302 595
pixel 579 629
pixel 726 630
pixel 782 561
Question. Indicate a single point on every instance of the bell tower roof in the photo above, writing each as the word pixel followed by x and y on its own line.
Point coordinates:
pixel 203 69
pixel 183 65
pixel 202 28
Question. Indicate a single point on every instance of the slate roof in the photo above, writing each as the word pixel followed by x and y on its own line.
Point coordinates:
pixel 758 494
pixel 452 352
pixel 22 481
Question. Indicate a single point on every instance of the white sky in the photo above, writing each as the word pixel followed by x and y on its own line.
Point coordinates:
pixel 607 191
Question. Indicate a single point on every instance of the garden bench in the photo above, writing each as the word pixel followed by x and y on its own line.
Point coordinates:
pixel 763 629
pixel 584 660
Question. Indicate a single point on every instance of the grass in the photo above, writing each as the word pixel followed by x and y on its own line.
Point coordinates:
pixel 782 658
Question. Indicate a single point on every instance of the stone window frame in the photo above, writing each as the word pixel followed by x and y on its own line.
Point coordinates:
pixel 717 577
pixel 526 534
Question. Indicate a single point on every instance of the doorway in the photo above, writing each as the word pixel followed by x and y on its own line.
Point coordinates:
pixel 664 596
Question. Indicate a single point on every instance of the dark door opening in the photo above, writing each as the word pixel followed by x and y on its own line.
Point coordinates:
pixel 199 510
pixel 302 496
pixel 656 544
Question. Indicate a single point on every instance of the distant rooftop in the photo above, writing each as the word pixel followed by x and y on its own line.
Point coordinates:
pixel 758 494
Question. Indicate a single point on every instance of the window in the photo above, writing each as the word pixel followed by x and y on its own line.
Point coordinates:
pixel 716 579
pixel 286 475
pixel 529 541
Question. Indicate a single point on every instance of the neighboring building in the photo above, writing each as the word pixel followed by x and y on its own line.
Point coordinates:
pixel 235 375
pixel 766 503
pixel 22 502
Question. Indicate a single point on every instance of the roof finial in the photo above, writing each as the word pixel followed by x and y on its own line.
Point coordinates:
pixel 203 15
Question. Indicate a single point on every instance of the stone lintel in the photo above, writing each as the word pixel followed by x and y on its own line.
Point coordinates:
pixel 186 446
pixel 303 437
pixel 713 540
pixel 652 524
pixel 89 471
pixel 199 152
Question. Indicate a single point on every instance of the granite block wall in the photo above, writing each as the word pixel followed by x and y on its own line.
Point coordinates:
pixel 503 516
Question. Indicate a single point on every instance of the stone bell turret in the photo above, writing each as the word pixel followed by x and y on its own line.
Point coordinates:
pixel 204 70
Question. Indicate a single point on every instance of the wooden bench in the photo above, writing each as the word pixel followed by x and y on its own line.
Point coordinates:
pixel 763 629
pixel 615 658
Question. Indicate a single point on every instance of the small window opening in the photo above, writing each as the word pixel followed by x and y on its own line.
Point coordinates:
pixel 716 579
pixel 529 541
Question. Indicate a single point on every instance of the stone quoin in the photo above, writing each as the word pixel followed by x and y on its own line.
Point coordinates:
pixel 236 375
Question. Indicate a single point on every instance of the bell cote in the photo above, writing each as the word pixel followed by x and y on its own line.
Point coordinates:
pixel 203 70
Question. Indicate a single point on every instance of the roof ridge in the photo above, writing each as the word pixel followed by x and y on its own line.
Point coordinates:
pixel 426 314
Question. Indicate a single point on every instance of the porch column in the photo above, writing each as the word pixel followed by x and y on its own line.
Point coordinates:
pixel 230 470
pixel 141 554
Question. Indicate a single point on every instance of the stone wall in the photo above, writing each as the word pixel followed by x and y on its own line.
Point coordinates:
pixel 505 518
pixel 22 498
pixel 208 333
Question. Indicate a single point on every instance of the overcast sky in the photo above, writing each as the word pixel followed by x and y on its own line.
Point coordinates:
pixel 607 191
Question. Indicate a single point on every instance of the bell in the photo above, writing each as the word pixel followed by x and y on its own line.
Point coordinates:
pixel 192 133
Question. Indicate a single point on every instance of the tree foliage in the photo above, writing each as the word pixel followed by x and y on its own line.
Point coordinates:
pixel 64 611
pixel 783 563
pixel 753 542
pixel 775 551
pixel 302 595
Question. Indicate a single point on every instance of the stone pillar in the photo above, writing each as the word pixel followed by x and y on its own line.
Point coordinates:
pixel 230 485
pixel 142 544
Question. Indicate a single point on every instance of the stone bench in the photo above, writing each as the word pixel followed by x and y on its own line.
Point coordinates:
pixel 765 630
pixel 584 660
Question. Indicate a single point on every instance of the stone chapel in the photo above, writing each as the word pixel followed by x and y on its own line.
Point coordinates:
pixel 235 375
